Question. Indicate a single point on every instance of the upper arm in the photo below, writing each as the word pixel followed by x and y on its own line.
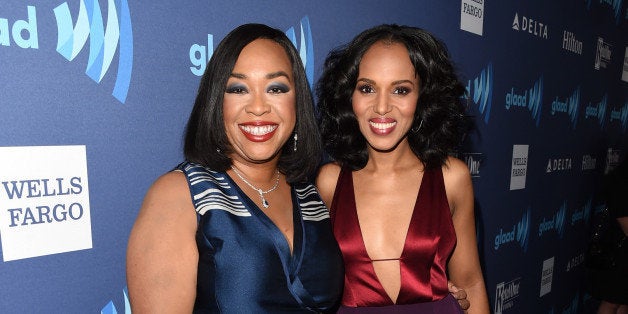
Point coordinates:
pixel 464 265
pixel 162 257
pixel 326 181
pixel 623 223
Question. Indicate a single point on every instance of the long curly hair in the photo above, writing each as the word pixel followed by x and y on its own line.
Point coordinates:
pixel 439 122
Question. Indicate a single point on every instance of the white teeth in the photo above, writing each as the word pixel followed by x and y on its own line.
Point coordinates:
pixel 382 126
pixel 258 130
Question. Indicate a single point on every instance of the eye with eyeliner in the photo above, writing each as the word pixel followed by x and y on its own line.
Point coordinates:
pixel 401 90
pixel 365 89
pixel 236 89
pixel 278 89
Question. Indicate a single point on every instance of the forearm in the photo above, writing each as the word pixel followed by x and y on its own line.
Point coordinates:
pixel 476 294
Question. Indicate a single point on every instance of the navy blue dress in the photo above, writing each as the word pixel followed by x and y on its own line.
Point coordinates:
pixel 245 265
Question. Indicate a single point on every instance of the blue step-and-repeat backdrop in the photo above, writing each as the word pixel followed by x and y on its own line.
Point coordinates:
pixel 94 96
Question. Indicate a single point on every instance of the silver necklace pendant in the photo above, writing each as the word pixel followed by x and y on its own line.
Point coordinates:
pixel 261 192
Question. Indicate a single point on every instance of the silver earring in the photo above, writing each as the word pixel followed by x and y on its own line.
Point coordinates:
pixel 295 142
pixel 417 129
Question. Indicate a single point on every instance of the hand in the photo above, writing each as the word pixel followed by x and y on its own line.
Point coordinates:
pixel 460 295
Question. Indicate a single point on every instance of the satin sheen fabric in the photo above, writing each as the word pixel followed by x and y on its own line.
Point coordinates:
pixel 429 243
pixel 245 265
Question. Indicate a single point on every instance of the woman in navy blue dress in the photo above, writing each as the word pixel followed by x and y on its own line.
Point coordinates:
pixel 237 228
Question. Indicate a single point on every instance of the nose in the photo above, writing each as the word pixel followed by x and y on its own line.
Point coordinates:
pixel 258 105
pixel 382 106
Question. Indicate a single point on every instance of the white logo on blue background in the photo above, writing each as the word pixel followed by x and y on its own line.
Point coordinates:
pixel 597 111
pixel 530 99
pixel 103 42
pixel 520 233
pixel 557 222
pixel 621 114
pixel 570 106
pixel 483 91
pixel 200 54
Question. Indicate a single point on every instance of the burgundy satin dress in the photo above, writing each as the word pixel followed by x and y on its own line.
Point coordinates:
pixel 429 243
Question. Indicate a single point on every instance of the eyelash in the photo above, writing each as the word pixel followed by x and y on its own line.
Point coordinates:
pixel 367 89
pixel 275 89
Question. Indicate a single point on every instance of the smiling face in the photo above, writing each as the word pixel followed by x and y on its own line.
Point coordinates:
pixel 259 102
pixel 385 96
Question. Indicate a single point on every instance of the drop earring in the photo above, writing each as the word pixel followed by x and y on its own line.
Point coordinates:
pixel 295 142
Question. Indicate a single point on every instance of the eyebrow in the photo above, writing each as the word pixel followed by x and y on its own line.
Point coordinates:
pixel 369 81
pixel 268 76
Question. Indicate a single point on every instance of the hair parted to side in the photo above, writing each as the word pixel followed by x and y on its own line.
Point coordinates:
pixel 440 106
pixel 206 141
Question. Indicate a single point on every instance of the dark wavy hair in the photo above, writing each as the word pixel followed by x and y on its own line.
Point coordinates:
pixel 440 107
pixel 206 141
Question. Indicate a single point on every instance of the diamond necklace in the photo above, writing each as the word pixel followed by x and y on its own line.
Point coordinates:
pixel 258 190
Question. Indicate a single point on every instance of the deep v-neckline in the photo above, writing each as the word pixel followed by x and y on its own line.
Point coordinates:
pixel 365 253
pixel 281 242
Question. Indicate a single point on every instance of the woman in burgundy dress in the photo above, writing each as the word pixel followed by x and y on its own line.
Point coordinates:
pixel 401 206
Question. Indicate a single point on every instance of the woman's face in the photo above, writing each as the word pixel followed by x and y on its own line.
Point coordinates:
pixel 385 96
pixel 259 102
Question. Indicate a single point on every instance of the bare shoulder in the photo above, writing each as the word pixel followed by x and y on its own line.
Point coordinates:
pixel 326 181
pixel 455 171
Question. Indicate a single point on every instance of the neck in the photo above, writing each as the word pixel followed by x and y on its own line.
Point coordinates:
pixel 262 174
pixel 400 158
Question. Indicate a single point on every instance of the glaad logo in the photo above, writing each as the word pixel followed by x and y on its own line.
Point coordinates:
pixel 19 29
pixel 200 55
pixel 558 164
pixel 597 111
pixel 602 54
pixel 505 295
pixel 530 99
pixel 621 114
pixel 530 26
pixel 570 43
pixel 110 308
pixel 616 7
pixel 583 214
pixel 557 222
pixel 571 106
pixel 102 41
pixel 520 233
pixel 483 91
pixel 624 75
pixel 473 161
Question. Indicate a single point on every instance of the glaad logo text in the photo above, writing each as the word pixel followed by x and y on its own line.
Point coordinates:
pixel 520 233
pixel 200 54
pixel 531 99
pixel 71 38
pixel 597 111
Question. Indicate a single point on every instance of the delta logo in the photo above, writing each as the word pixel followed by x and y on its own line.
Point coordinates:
pixel 597 111
pixel 530 99
pixel 520 233
pixel 200 54
pixel 530 26
pixel 104 40
pixel 556 223
pixel 621 116
pixel 480 91
pixel 570 106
